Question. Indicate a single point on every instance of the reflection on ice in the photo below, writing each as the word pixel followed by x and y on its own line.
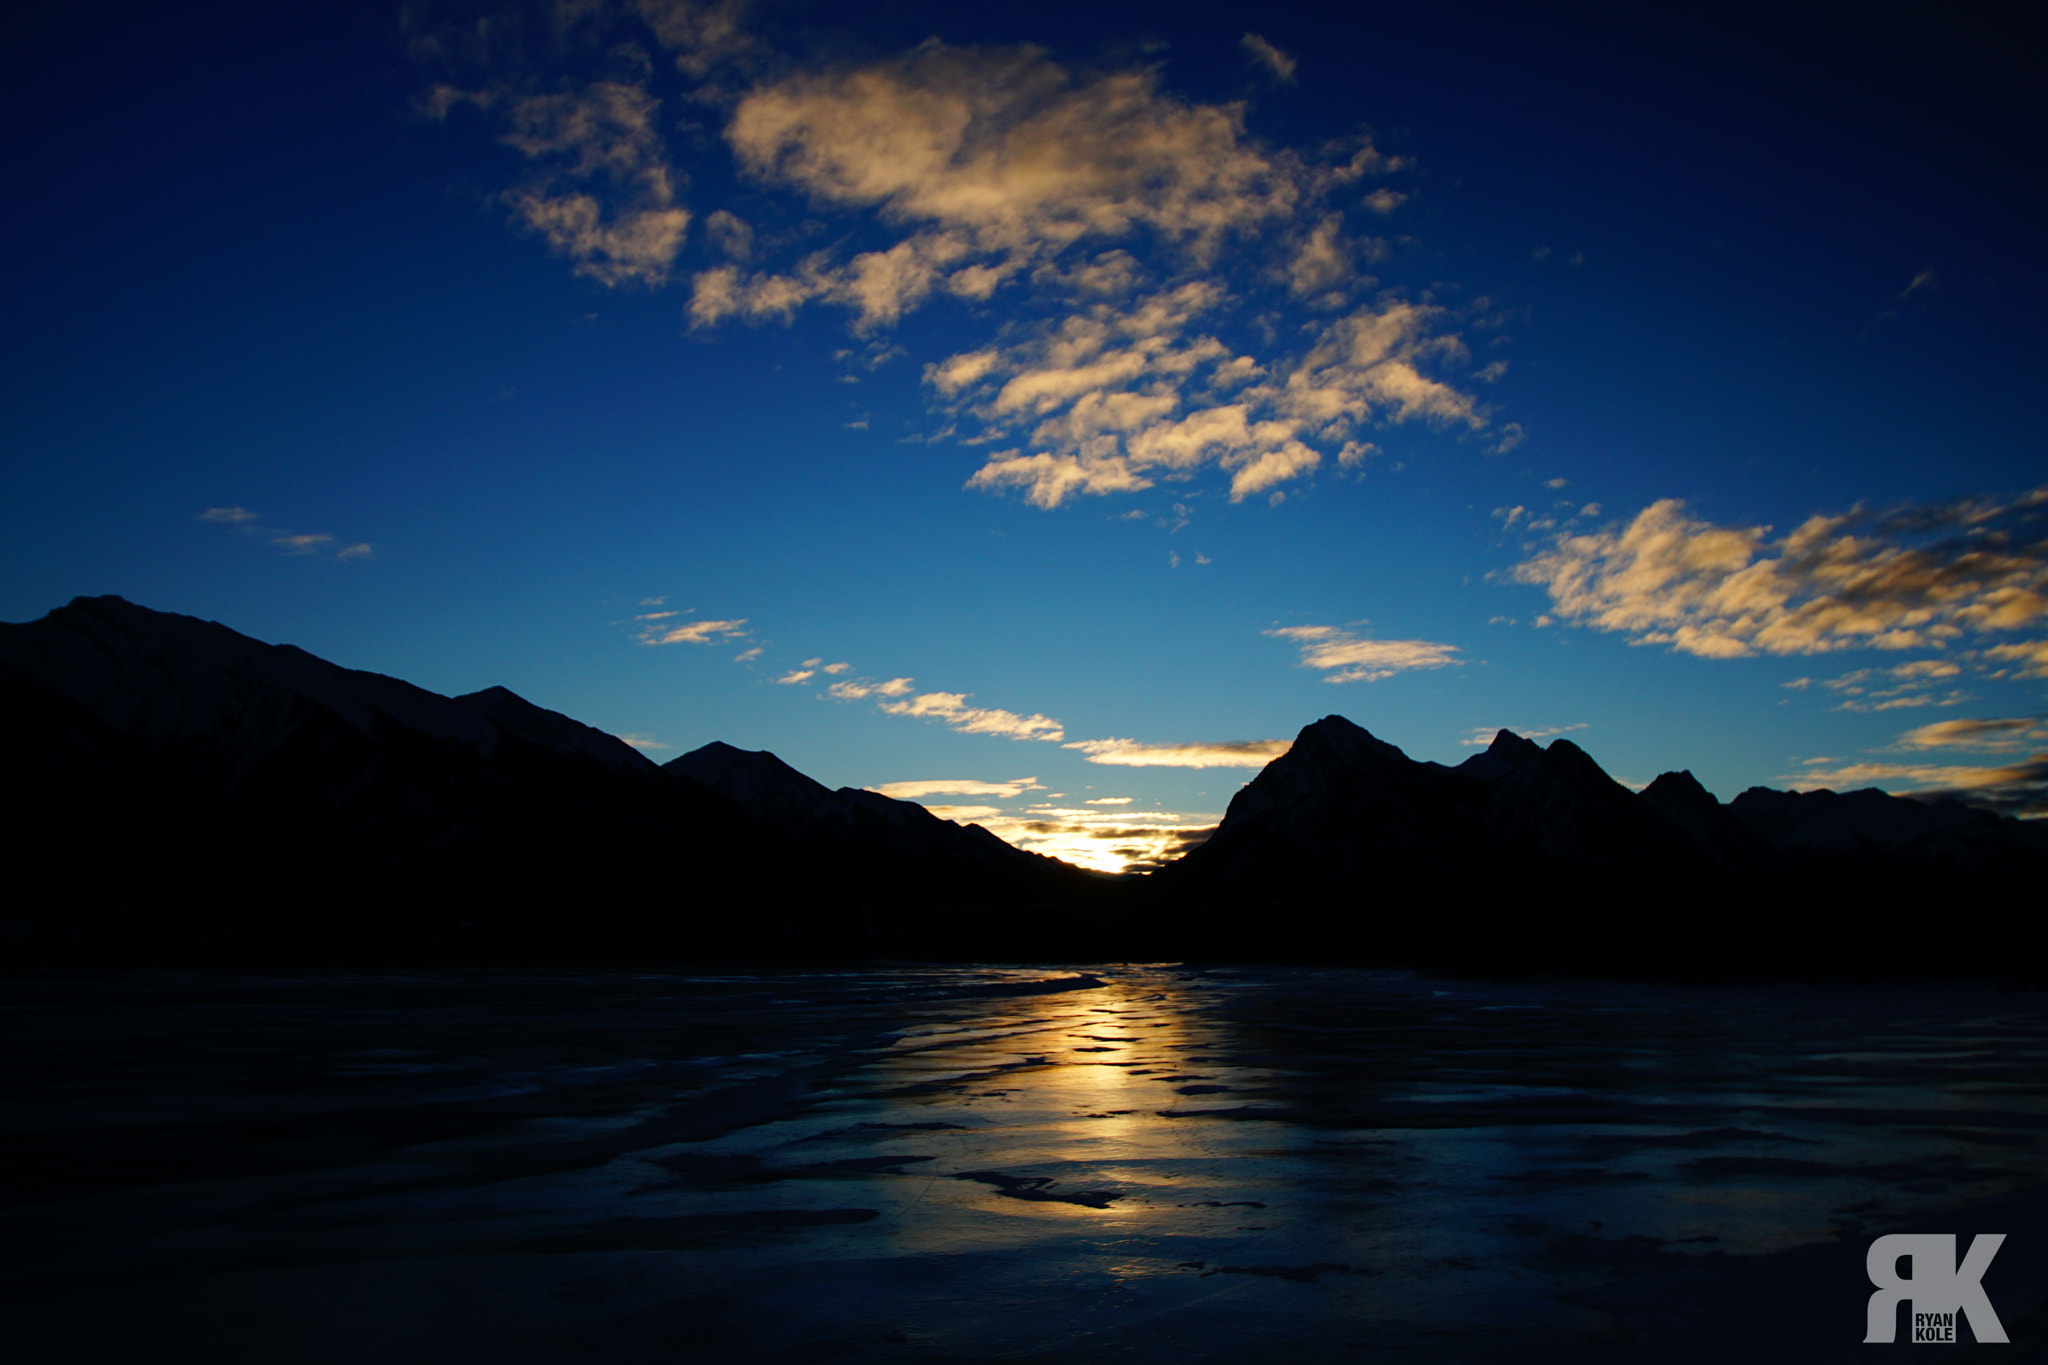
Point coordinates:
pixel 932 1164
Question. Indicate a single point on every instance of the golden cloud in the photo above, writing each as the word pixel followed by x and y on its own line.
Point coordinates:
pixel 1914 578
pixel 693 632
pixel 944 786
pixel 952 709
pixel 1129 753
pixel 1348 658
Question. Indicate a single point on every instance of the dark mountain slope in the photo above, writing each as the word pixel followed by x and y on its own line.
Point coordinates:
pixel 183 783
pixel 1526 858
pixel 762 784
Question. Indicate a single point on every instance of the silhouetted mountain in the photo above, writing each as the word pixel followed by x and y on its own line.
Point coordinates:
pixel 1526 857
pixel 1342 808
pixel 182 776
pixel 764 785
pixel 175 787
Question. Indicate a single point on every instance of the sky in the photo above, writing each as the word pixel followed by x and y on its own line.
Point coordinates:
pixel 1044 414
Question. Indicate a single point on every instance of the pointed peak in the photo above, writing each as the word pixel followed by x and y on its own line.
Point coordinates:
pixel 1509 745
pixel 1565 756
pixel 1680 786
pixel 1508 753
pixel 1344 738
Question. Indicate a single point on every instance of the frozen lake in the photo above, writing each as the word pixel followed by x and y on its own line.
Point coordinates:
pixel 955 1164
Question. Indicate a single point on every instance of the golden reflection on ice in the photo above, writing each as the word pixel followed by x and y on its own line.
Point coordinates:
pixel 1074 1085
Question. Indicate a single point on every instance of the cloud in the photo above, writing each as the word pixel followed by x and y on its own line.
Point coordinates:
pixel 1132 229
pixel 796 675
pixel 854 689
pixel 300 544
pixel 1106 840
pixel 965 814
pixel 1912 578
pixel 693 632
pixel 747 656
pixel 306 544
pixel 1129 753
pixel 1277 63
pixel 1384 201
pixel 1117 395
pixel 1980 735
pixel 643 742
pixel 2031 655
pixel 958 786
pixel 2020 789
pixel 1108 801
pixel 1350 659
pixel 599 189
pixel 2014 789
pixel 1010 150
pixel 952 709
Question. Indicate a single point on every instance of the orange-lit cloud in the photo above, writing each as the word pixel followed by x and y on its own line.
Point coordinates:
pixel 1914 578
pixel 951 708
pixel 600 188
pixel 943 786
pixel 1129 753
pixel 315 544
pixel 1981 735
pixel 2012 789
pixel 1348 658
pixel 1104 840
pixel 693 632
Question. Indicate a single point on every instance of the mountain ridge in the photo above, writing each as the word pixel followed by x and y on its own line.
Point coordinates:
pixel 171 762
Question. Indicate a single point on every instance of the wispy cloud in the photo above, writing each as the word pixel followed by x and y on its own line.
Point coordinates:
pixel 2012 789
pixel 958 786
pixel 1277 63
pixel 692 632
pixel 1912 578
pixel 1129 753
pixel 600 187
pixel 1106 840
pixel 2031 657
pixel 952 710
pixel 1348 658
pixel 308 544
pixel 857 689
pixel 1981 736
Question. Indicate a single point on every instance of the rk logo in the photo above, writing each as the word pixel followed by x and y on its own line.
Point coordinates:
pixel 1938 1288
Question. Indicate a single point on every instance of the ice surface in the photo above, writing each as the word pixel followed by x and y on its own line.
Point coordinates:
pixel 929 1164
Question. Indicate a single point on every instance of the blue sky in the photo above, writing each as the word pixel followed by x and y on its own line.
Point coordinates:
pixel 1044 415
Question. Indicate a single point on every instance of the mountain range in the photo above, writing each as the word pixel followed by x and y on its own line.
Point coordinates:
pixel 178 790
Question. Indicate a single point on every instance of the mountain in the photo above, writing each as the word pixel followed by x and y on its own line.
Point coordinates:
pixel 189 783
pixel 1342 807
pixel 176 790
pixel 764 785
pixel 1524 856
